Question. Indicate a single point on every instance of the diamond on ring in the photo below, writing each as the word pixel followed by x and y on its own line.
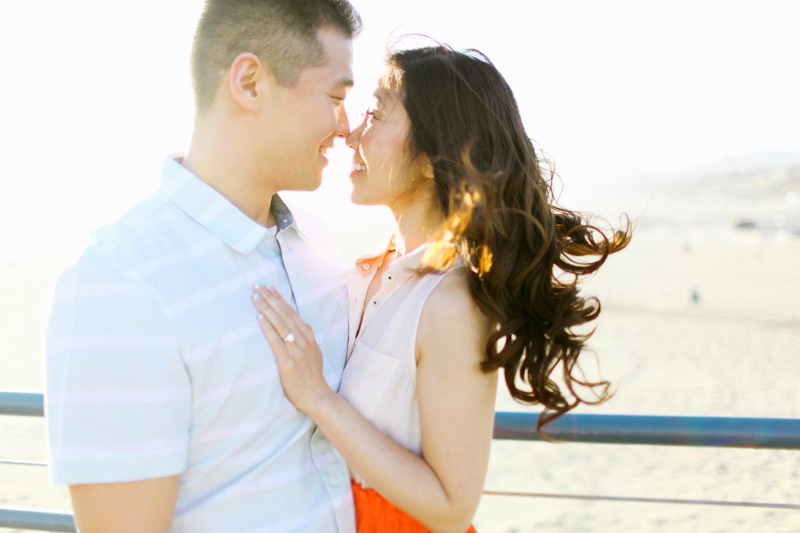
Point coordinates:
pixel 289 337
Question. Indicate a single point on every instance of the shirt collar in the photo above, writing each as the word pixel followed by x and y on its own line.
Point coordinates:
pixel 370 260
pixel 408 265
pixel 215 212
pixel 286 217
pixel 402 267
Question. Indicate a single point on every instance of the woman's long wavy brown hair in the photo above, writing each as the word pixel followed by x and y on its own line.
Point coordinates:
pixel 526 255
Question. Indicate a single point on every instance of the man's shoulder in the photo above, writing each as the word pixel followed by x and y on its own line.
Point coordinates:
pixel 141 233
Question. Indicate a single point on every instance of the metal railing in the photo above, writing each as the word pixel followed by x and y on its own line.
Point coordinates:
pixel 716 431
pixel 21 403
pixel 726 432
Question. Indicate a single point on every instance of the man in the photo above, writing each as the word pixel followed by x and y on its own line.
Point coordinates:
pixel 164 406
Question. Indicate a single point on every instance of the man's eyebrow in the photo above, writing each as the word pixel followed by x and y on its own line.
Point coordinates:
pixel 344 81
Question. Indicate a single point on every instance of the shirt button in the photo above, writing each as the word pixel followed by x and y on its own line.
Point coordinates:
pixel 365 266
pixel 334 479
pixel 389 278
pixel 375 302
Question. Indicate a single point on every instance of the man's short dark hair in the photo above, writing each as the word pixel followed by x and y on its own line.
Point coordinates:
pixel 282 33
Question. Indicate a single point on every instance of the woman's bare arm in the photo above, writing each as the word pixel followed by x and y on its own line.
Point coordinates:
pixel 456 400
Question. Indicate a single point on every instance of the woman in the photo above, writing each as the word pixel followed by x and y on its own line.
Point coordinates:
pixel 481 275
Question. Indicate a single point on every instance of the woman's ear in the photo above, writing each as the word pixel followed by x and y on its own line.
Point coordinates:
pixel 426 167
pixel 247 80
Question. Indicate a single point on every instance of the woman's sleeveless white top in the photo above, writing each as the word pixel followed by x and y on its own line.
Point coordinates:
pixel 379 377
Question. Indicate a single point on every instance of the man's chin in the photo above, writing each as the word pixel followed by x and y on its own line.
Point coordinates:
pixel 309 185
pixel 315 184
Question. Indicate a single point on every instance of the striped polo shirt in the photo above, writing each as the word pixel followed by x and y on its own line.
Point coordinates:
pixel 156 365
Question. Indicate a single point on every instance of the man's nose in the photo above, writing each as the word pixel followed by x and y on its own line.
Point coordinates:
pixel 343 125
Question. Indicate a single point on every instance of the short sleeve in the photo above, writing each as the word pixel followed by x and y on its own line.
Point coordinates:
pixel 118 395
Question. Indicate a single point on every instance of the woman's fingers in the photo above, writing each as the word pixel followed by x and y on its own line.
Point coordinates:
pixel 266 320
pixel 297 355
pixel 280 303
pixel 290 320
pixel 273 338
pixel 272 316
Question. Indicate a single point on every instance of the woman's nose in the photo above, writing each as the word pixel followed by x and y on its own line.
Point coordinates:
pixel 354 138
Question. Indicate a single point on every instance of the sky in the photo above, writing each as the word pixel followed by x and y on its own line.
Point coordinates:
pixel 95 93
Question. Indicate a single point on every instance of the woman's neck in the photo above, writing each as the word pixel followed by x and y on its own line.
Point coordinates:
pixel 416 222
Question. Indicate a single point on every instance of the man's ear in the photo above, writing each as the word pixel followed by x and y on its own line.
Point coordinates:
pixel 248 79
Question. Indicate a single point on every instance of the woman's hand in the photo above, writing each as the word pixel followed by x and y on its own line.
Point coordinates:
pixel 297 354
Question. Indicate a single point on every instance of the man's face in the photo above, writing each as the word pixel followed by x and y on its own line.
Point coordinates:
pixel 305 118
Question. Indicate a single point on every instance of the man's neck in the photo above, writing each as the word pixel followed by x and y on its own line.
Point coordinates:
pixel 228 167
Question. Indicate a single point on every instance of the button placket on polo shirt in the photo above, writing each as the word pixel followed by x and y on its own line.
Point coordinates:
pixel 288 243
pixel 331 473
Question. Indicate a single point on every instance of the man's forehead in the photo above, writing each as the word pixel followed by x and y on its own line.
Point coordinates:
pixel 338 53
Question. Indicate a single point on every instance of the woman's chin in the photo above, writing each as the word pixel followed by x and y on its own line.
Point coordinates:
pixel 357 200
pixel 360 199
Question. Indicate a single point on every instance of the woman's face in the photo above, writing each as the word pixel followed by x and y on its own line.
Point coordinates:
pixel 383 170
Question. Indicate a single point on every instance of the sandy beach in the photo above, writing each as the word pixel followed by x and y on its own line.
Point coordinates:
pixel 734 353
pixel 697 321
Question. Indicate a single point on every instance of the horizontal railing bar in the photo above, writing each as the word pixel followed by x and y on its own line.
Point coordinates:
pixel 734 432
pixel 726 432
pixel 21 403
pixel 637 499
pixel 36 519
pixel 19 462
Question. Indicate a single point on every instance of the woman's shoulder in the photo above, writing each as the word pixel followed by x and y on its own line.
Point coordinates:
pixel 454 283
pixel 450 314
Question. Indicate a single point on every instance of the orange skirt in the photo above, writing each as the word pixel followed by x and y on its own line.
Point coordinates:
pixel 374 514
